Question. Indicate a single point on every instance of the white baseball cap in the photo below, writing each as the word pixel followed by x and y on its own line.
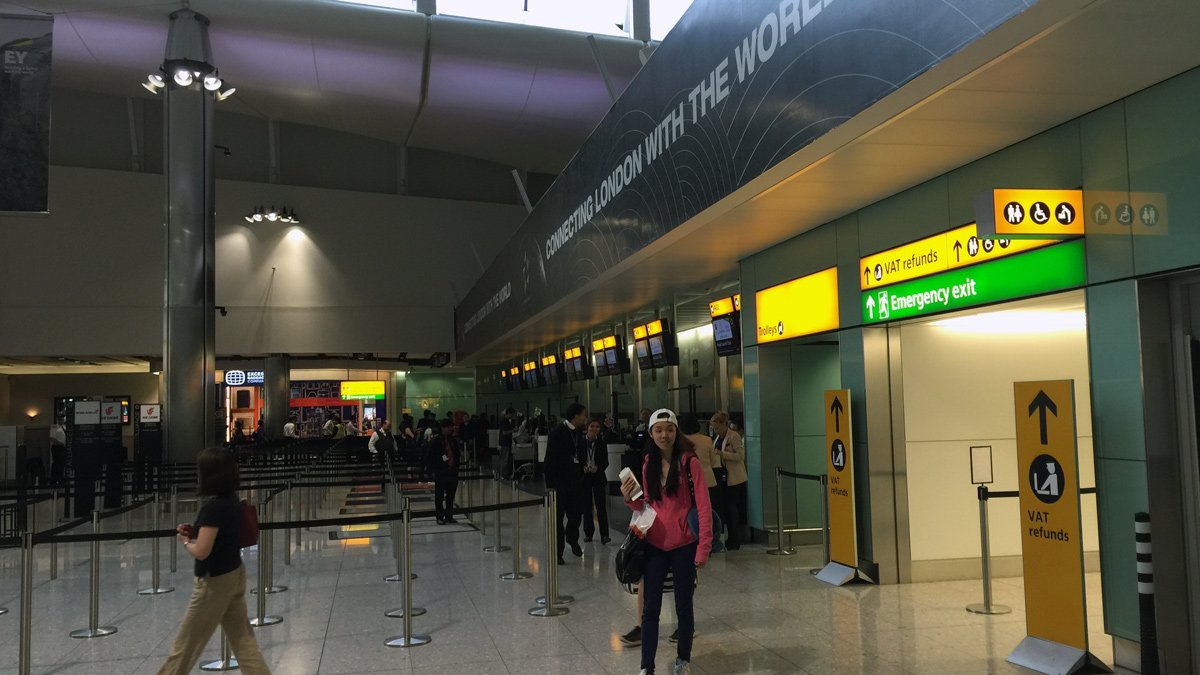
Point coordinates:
pixel 663 415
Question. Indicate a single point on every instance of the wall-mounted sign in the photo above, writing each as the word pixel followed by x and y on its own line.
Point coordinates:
pixel 959 247
pixel 110 412
pixel 256 376
pixel 1044 270
pixel 235 378
pixel 1137 213
pixel 86 412
pixel 365 390
pixel 1051 527
pixel 25 114
pixel 1036 214
pixel 150 413
pixel 799 307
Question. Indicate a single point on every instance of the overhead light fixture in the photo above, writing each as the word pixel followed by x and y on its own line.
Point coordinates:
pixel 212 82
pixel 273 215
pixel 188 62
pixel 221 96
pixel 183 77
pixel 153 83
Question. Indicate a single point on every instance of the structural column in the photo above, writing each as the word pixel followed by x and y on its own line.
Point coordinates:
pixel 189 336
pixel 277 393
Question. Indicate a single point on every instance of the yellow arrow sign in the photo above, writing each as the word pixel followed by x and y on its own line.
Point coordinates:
pixel 839 461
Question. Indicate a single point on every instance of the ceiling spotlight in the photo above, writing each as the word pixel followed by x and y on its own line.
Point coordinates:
pixel 272 215
pixel 183 78
pixel 221 96
pixel 284 215
pixel 212 82
pixel 258 214
pixel 153 83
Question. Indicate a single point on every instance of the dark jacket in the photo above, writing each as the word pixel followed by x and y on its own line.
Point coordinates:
pixel 600 458
pixel 441 449
pixel 563 448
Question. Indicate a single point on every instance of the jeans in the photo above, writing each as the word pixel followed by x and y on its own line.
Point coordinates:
pixel 682 563
pixel 734 501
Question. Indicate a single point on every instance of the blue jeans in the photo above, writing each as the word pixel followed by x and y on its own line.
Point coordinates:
pixel 682 563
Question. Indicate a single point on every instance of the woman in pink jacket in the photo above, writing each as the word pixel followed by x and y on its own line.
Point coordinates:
pixel 670 475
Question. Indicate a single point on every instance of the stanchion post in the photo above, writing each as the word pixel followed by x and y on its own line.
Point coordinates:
pixel 779 548
pixel 174 521
pixel 824 507
pixel 549 603
pixel 25 656
pixel 985 549
pixel 287 534
pixel 269 543
pixel 516 574
pixel 398 543
pixel 53 560
pixel 155 587
pixel 1145 577
pixel 94 628
pixel 497 547
pixel 408 611
pixel 226 662
pixel 261 618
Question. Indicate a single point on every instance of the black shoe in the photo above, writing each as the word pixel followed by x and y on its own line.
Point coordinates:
pixel 587 540
pixel 562 560
pixel 605 540
pixel 633 638
pixel 577 550
pixel 441 521
pixel 450 521
pixel 674 637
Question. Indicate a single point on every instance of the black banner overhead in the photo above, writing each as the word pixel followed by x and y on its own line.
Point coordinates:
pixel 25 47
pixel 735 88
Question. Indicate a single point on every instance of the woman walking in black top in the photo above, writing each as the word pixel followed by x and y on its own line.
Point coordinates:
pixel 219 597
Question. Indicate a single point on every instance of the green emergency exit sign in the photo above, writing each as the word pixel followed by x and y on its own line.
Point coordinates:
pixel 1046 270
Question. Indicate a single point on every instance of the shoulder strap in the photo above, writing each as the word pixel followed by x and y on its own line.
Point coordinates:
pixel 687 468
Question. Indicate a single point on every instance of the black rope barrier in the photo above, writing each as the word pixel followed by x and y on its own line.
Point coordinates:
pixel 801 476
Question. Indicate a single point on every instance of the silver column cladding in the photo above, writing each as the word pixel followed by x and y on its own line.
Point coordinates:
pixel 276 393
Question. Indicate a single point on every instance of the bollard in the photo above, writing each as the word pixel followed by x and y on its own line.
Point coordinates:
pixel 549 608
pixel 174 521
pixel 261 618
pixel 408 611
pixel 155 588
pixel 25 655
pixel 94 628
pixel 779 548
pixel 226 662
pixel 496 547
pixel 985 548
pixel 516 574
pixel 1145 577
pixel 287 534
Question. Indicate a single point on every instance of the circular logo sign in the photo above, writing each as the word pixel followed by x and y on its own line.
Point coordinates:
pixel 837 455
pixel 1046 479
pixel 235 378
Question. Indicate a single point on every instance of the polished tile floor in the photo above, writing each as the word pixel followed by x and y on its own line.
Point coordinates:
pixel 755 613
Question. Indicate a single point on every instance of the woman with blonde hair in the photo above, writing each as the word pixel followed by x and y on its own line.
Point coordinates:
pixel 729 456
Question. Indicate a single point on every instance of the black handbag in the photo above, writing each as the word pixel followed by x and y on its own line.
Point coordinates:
pixel 631 559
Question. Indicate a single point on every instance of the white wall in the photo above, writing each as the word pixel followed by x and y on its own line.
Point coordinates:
pixel 957 393
pixel 362 273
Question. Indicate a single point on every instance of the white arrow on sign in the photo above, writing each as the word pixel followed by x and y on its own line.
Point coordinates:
pixel 871 306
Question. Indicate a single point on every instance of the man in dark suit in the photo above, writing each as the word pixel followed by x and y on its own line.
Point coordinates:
pixel 564 473
pixel 595 483
pixel 444 459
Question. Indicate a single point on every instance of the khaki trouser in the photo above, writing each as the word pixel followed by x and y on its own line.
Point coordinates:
pixel 216 601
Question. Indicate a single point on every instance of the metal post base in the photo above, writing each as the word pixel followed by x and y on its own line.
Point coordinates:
pixel 266 621
pixel 781 551
pixel 549 610
pixel 560 600
pixel 516 576
pixel 156 590
pixel 399 612
pixel 410 641
pixel 1053 658
pixel 89 633
pixel 837 574
pixel 272 589
pixel 231 664
pixel 496 549
pixel 980 608
pixel 393 578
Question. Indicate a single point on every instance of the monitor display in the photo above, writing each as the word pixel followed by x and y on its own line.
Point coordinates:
pixel 722 330
pixel 656 346
pixel 727 334
pixel 612 361
pixel 600 363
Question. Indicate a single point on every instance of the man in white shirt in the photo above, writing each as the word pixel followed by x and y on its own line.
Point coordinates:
pixel 289 429
pixel 58 452
pixel 382 440
pixel 351 429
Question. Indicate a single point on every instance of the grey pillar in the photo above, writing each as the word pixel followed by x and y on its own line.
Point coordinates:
pixel 640 15
pixel 189 336
pixel 276 394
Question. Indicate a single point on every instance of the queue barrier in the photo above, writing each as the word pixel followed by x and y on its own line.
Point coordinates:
pixel 984 495
pixel 823 516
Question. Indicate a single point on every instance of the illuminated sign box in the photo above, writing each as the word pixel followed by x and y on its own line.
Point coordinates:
pixel 365 390
pixel 1030 213
pixel 803 306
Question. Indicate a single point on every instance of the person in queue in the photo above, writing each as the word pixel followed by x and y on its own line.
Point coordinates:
pixel 219 595
pixel 671 474
pixel 444 458
pixel 690 426
pixel 595 483
pixel 564 473
pixel 730 456
pixel 289 429
pixel 382 443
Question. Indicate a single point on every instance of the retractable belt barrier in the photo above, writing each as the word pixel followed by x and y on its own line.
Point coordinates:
pixel 823 516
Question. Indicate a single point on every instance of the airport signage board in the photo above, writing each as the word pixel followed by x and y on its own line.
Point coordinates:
pixel 1044 270
pixel 1124 213
pixel 1035 214
pixel 738 88
pixel 26 43
pixel 798 307
pixel 1051 529
pixel 365 390
pixel 839 468
pixel 956 248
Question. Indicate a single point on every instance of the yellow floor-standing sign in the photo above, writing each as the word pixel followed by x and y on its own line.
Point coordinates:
pixel 1051 531
pixel 839 467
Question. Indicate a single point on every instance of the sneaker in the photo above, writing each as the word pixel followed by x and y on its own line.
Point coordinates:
pixel 604 541
pixel 674 637
pixel 633 638
pixel 643 671
pixel 681 667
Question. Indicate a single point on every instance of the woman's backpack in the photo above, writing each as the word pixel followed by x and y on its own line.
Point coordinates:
pixel 247 525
